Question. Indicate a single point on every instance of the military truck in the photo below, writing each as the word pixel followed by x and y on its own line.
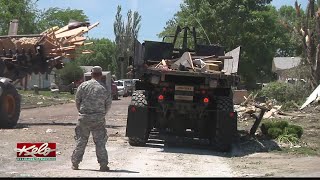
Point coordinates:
pixel 22 55
pixel 183 92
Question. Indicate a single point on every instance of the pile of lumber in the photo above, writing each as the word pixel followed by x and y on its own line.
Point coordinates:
pixel 40 53
pixel 54 42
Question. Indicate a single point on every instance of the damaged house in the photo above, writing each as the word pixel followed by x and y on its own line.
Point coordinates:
pixel 282 66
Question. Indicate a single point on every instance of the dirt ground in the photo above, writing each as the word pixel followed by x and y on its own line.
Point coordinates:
pixel 249 158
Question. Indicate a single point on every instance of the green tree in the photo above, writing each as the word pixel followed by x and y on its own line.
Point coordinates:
pixel 104 52
pixel 308 29
pixel 59 17
pixel 23 10
pixel 71 72
pixel 124 35
pixel 290 44
pixel 251 24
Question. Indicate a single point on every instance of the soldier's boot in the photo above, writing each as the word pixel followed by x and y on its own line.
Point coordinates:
pixel 104 167
pixel 75 166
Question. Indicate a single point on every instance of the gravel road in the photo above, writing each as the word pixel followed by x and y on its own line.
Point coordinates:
pixel 154 160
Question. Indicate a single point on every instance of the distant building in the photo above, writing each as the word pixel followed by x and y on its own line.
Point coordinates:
pixel 86 68
pixel 282 65
pixel 43 81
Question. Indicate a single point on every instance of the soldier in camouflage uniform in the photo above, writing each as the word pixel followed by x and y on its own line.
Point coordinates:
pixel 93 101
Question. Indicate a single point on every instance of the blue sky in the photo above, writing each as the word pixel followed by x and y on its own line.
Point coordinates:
pixel 154 13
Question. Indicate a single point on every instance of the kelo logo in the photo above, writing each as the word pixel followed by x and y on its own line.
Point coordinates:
pixel 36 151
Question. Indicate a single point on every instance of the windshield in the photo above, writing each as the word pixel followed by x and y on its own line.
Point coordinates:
pixel 128 83
pixel 119 83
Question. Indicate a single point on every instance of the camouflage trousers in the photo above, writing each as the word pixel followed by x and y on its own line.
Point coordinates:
pixel 82 133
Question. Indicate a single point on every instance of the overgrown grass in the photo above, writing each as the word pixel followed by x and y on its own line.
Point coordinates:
pixel 45 98
pixel 300 151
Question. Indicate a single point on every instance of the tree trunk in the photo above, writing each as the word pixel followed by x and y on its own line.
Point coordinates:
pixel 310 40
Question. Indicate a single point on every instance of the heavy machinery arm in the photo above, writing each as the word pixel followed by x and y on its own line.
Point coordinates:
pixel 21 55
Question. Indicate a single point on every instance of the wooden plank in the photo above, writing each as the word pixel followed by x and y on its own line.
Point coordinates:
pixel 93 25
pixel 79 43
pixel 50 30
pixel 213 67
pixel 63 49
pixel 61 30
pixel 72 32
pixel 89 43
pixel 213 62
pixel 77 39
pixel 73 36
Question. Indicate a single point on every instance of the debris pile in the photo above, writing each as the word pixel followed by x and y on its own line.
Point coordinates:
pixel 41 52
pixel 189 62
pixel 253 104
pixel 54 41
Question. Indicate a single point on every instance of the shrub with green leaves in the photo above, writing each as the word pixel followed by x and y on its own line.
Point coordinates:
pixel 294 129
pixel 274 132
pixel 71 72
pixel 279 128
pixel 286 92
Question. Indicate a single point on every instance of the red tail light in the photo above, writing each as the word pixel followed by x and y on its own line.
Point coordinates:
pixel 206 100
pixel 160 97
pixel 133 109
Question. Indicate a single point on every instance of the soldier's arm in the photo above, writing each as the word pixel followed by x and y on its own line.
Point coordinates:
pixel 108 100
pixel 78 97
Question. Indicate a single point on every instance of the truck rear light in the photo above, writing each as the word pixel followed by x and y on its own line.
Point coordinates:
pixel 133 109
pixel 206 100
pixel 160 97
pixel 231 114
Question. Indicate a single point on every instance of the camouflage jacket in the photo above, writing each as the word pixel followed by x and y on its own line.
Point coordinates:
pixel 93 100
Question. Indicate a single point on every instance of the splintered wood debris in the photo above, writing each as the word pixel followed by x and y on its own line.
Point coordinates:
pixel 190 62
pixel 54 41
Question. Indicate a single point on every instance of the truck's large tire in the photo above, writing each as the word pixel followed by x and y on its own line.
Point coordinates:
pixel 139 99
pixel 10 102
pixel 223 104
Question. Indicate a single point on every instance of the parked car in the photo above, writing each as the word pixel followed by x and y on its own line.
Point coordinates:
pixel 122 89
pixel 134 83
pixel 114 89
pixel 128 83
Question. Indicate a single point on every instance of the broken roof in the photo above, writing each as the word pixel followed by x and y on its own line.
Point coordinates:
pixel 282 63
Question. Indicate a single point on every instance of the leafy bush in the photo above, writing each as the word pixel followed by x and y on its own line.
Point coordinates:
pixel 274 132
pixel 286 92
pixel 281 129
pixel 290 105
pixel 281 124
pixel 294 129
pixel 71 72
pixel 273 124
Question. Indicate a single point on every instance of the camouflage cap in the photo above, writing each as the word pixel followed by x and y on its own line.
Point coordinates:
pixel 96 69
